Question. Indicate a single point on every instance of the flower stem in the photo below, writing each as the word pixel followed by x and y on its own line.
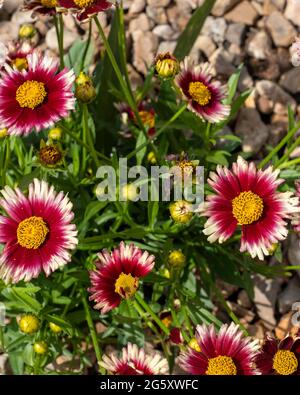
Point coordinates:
pixel 87 133
pixel 155 318
pixel 281 144
pixel 86 49
pixel 59 35
pixel 91 329
pixel 159 132
pixel 79 141
pixel 287 153
pixel 126 88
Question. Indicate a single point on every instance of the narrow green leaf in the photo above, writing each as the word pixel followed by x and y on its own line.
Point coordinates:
pixel 188 37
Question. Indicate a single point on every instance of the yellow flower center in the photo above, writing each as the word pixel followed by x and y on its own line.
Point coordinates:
pixel 247 207
pixel 221 366
pixel 167 321
pixel 20 63
pixel 83 3
pixel 32 232
pixel 285 362
pixel 147 118
pixel 49 3
pixel 126 285
pixel 31 94
pixel 200 93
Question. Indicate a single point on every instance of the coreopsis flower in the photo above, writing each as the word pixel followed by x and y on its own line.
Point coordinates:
pixel 295 52
pixel 85 9
pixel 146 113
pixel 35 98
pixel 227 352
pixel 279 357
pixel 43 7
pixel 29 324
pixel 134 362
pixel 17 55
pixel 296 216
pixel 117 275
pixel 166 65
pixel 181 211
pixel 248 197
pixel 37 232
pixel 204 97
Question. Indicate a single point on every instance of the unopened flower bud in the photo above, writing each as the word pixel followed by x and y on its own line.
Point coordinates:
pixel 181 211
pixel 27 31
pixel 40 347
pixel 151 158
pixel 193 343
pixel 85 90
pixel 3 133
pixel 29 324
pixel 50 155
pixel 166 65
pixel 55 328
pixel 176 336
pixel 128 192
pixel 55 134
pixel 176 259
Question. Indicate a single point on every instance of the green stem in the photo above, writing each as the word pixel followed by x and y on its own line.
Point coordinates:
pixel 152 327
pixel 126 87
pixel 58 36
pixel 159 132
pixel 91 329
pixel 281 144
pixel 79 141
pixel 290 163
pixel 61 42
pixel 287 153
pixel 155 318
pixel 87 133
pixel 86 49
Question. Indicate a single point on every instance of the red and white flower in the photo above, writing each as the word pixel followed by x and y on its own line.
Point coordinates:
pixel 36 232
pixel 117 275
pixel 134 362
pixel 43 7
pixel 204 96
pixel 17 55
pixel 37 97
pixel 225 353
pixel 248 197
pixel 279 357
pixel 84 9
